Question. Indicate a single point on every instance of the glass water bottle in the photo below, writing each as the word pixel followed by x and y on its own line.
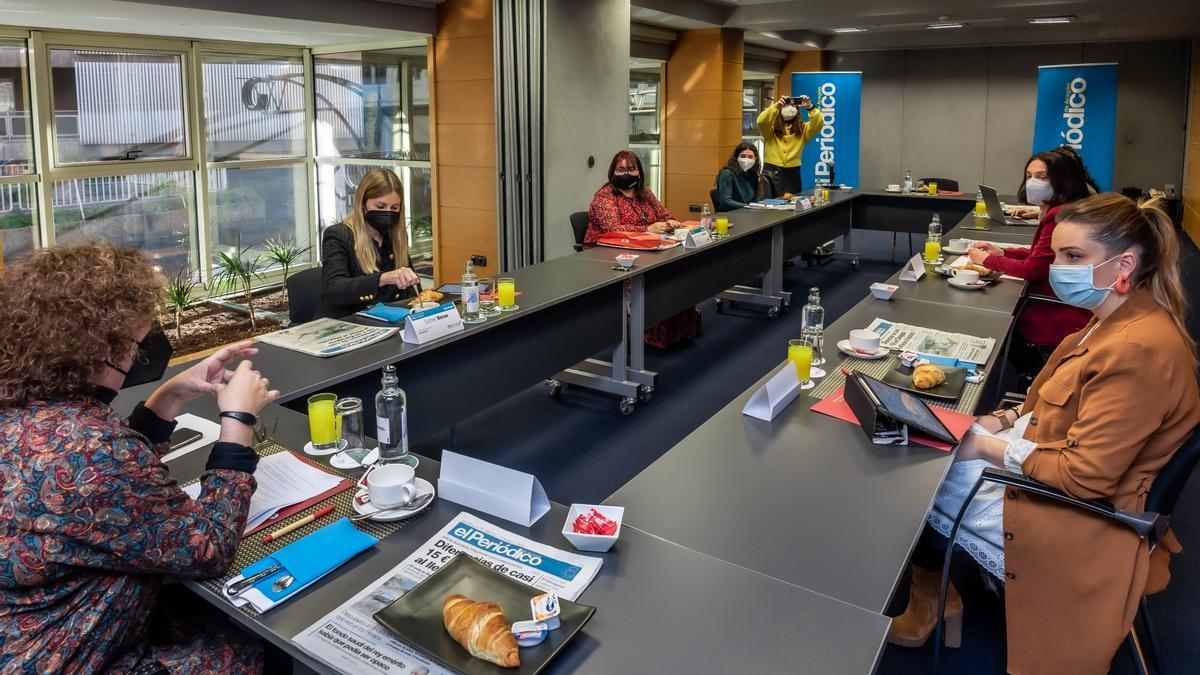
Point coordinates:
pixel 469 288
pixel 391 420
pixel 812 325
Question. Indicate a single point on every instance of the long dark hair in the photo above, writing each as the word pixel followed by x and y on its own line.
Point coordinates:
pixel 629 157
pixel 1087 176
pixel 796 125
pixel 1118 224
pixel 1066 175
pixel 736 168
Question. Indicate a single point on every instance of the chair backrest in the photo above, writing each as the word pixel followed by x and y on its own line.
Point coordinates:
pixel 304 295
pixel 712 198
pixel 943 183
pixel 1171 479
pixel 579 224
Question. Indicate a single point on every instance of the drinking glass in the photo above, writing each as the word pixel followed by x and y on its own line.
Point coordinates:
pixel 350 412
pixel 487 297
pixel 323 426
pixel 815 337
pixel 932 185
pixel 800 353
pixel 506 294
pixel 722 226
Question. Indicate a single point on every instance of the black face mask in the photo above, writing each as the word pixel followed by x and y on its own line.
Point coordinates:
pixel 150 362
pixel 625 181
pixel 383 221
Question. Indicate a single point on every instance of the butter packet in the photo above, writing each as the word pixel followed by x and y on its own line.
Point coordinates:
pixel 545 609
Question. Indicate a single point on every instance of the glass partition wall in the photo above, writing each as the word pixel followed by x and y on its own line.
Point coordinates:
pixel 645 118
pixel 188 149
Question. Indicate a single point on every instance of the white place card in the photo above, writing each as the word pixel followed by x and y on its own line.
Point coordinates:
pixel 431 324
pixel 771 398
pixel 697 237
pixel 491 488
pixel 804 204
pixel 914 269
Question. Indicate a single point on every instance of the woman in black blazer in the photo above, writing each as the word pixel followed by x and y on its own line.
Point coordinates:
pixel 359 254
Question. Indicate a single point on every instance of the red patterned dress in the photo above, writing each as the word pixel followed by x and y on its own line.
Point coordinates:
pixel 90 524
pixel 612 211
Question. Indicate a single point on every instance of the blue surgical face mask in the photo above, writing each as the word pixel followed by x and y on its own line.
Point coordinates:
pixel 1073 284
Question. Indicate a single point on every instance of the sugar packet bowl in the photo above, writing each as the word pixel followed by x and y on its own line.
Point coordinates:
pixel 593 528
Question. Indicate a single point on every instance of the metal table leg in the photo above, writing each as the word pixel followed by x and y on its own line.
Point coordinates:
pixel 771 295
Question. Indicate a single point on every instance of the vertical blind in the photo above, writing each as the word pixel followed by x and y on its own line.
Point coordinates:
pixel 518 28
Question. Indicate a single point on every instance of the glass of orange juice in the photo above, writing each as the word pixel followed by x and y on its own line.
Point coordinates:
pixel 506 294
pixel 932 185
pixel 323 423
pixel 800 353
pixel 722 226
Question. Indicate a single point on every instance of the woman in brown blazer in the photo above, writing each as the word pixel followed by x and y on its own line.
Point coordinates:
pixel 1111 406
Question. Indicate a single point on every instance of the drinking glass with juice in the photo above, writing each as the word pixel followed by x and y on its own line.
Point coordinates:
pixel 932 185
pixel 933 251
pixel 722 226
pixel 506 294
pixel 323 426
pixel 800 354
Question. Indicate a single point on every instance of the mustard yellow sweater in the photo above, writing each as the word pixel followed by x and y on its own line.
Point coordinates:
pixel 786 151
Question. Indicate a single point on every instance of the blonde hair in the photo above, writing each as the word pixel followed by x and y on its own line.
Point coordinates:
pixel 376 183
pixel 1119 224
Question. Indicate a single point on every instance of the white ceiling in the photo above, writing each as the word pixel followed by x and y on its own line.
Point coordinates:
pixel 309 23
pixel 889 24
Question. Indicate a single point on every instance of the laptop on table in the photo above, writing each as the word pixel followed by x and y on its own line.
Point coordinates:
pixel 995 211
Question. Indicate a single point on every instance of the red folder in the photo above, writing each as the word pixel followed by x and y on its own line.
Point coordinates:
pixel 957 423
pixel 288 511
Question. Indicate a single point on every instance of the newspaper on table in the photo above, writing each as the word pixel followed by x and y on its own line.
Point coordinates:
pixel 349 640
pixel 327 337
pixel 936 344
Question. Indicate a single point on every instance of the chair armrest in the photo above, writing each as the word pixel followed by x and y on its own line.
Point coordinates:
pixel 1146 524
pixel 1014 398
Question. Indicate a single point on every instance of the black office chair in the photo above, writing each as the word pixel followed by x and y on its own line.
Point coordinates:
pixel 579 224
pixel 1152 525
pixel 942 183
pixel 304 295
pixel 712 197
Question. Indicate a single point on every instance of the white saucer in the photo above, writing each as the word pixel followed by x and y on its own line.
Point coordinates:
pixel 424 487
pixel 966 286
pixel 954 251
pixel 844 346
pixel 342 461
pixel 308 449
pixel 896 191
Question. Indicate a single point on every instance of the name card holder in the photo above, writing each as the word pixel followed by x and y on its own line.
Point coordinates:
pixel 491 488
pixel 804 204
pixel 914 269
pixel 431 324
pixel 697 237
pixel 771 398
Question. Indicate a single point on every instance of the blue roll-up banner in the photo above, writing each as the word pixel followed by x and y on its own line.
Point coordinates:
pixel 833 155
pixel 1077 106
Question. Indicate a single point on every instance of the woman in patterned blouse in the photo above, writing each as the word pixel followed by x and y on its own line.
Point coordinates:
pixel 625 204
pixel 90 520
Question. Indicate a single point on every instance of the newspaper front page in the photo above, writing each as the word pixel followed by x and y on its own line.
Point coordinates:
pixel 349 640
pixel 327 337
pixel 933 343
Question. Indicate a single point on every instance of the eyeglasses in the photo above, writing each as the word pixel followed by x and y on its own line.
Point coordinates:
pixel 625 172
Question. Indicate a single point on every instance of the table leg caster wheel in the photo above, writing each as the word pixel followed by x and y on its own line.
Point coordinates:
pixel 554 388
pixel 772 312
pixel 627 405
pixel 645 392
pixel 718 304
pixel 855 264
pixel 787 308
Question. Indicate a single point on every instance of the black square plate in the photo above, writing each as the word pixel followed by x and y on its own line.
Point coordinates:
pixel 950 390
pixel 417 616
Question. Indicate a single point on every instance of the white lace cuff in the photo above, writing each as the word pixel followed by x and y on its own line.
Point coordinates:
pixel 1015 453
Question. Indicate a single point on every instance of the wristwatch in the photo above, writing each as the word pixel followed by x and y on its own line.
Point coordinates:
pixel 1002 415
pixel 243 417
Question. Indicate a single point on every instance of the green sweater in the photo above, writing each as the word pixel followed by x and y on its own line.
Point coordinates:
pixel 734 190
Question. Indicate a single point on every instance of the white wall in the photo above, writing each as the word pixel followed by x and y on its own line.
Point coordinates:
pixel 586 109
pixel 967 113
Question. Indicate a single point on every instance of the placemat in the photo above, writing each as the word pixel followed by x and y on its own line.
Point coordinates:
pixel 252 548
pixel 877 369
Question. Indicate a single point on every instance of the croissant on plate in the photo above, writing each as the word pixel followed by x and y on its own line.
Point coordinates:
pixel 482 629
pixel 426 296
pixel 928 376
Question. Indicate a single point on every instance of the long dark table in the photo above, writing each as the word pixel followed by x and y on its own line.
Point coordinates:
pixel 806 499
pixel 659 606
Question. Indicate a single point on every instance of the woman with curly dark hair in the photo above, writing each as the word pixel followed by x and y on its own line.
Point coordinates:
pixel 90 520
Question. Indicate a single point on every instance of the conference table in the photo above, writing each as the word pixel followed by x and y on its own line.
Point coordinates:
pixel 786 539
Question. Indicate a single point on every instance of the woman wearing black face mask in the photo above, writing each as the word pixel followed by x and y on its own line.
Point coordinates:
pixel 361 255
pixel 93 522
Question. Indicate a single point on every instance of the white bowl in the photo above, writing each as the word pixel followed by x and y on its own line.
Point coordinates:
pixel 596 543
pixel 626 260
pixel 883 291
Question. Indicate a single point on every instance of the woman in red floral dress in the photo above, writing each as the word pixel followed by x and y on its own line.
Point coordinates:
pixel 91 523
pixel 625 204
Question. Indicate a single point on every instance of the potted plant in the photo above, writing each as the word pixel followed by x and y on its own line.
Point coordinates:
pixel 179 296
pixel 235 269
pixel 284 251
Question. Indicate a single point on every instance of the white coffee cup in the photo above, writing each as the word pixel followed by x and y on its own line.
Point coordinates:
pixel 966 276
pixel 864 340
pixel 960 244
pixel 390 485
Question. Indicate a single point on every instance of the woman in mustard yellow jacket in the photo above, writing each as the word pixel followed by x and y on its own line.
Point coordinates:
pixel 1107 412
pixel 784 135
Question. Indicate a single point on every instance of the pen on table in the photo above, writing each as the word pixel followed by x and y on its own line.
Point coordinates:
pixel 321 513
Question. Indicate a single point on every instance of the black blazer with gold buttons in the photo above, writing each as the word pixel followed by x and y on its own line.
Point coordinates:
pixel 345 288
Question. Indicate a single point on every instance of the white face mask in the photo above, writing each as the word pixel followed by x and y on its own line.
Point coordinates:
pixel 747 163
pixel 1038 191
pixel 788 112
